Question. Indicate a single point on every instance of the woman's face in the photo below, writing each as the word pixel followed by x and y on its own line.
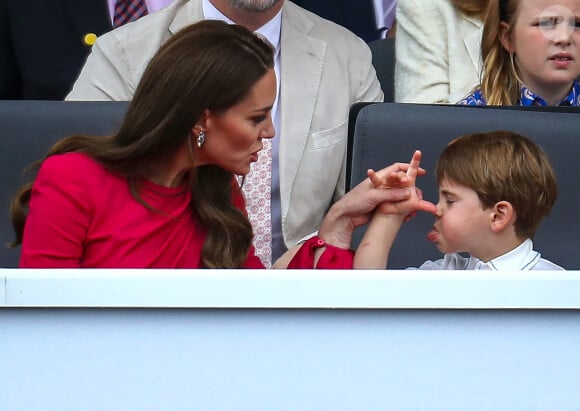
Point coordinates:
pixel 545 39
pixel 234 137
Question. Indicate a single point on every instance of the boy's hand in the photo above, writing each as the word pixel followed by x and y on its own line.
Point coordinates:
pixel 403 176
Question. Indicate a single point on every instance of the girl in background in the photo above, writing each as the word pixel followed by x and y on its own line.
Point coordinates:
pixel 530 53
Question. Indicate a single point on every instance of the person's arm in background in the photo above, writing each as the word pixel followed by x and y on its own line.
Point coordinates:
pixel 422 69
pixel 9 74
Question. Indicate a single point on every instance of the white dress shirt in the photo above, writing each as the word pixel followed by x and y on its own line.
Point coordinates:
pixel 521 258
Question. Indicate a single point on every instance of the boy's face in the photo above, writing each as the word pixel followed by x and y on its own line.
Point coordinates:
pixel 462 224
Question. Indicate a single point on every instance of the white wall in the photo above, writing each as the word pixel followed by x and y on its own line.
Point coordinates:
pixel 57 355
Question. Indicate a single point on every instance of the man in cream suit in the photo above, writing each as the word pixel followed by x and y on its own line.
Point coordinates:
pixel 322 70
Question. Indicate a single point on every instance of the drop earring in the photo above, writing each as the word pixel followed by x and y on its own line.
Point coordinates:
pixel 200 139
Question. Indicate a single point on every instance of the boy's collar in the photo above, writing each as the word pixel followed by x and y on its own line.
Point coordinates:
pixel 521 258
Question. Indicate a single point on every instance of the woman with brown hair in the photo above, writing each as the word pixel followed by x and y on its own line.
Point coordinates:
pixel 163 191
pixel 438 43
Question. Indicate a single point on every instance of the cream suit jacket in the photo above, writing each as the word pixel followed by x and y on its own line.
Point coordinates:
pixel 438 52
pixel 324 70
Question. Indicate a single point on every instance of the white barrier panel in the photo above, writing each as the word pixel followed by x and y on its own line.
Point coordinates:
pixel 288 340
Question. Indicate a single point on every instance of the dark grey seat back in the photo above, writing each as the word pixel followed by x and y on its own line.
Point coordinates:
pixel 383 55
pixel 27 130
pixel 386 133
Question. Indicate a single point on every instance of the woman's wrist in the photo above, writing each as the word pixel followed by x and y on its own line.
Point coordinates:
pixel 336 229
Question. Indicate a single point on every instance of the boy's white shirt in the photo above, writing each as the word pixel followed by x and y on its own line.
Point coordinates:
pixel 521 258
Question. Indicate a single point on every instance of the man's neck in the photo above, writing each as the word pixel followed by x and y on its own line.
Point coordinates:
pixel 250 19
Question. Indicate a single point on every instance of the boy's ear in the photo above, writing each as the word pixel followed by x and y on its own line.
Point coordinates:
pixel 504 37
pixel 503 216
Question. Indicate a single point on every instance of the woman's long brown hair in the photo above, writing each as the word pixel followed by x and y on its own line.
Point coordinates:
pixel 207 65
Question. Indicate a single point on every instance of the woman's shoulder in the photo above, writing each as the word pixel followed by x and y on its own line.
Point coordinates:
pixel 71 164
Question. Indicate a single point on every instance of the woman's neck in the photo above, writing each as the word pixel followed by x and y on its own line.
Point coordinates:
pixel 168 180
pixel 172 173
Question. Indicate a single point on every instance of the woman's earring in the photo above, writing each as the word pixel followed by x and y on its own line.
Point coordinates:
pixel 200 139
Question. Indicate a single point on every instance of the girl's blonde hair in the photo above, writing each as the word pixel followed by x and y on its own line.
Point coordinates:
pixel 499 83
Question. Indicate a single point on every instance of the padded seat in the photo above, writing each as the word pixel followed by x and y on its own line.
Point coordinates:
pixel 383 55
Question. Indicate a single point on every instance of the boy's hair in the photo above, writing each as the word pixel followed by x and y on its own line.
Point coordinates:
pixel 503 166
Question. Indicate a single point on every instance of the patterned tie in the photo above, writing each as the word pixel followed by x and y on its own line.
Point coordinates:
pixel 257 189
pixel 128 10
pixel 389 12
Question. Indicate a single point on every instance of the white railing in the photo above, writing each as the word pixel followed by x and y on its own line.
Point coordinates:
pixel 289 340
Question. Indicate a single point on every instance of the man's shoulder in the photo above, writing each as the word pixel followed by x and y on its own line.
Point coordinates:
pixel 152 30
pixel 315 26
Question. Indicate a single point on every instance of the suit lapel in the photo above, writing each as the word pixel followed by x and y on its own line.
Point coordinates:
pixel 88 16
pixel 189 13
pixel 302 61
pixel 473 42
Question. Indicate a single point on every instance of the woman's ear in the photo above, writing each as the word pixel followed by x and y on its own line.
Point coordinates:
pixel 505 37
pixel 202 122
pixel 503 216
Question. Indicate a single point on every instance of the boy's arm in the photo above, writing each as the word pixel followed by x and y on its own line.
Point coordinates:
pixel 373 251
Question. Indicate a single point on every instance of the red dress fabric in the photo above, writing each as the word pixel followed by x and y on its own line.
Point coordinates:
pixel 83 216
pixel 332 257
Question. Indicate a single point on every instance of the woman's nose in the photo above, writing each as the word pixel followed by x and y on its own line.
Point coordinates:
pixel 269 131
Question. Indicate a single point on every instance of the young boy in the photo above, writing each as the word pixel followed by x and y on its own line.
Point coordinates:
pixel 494 190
